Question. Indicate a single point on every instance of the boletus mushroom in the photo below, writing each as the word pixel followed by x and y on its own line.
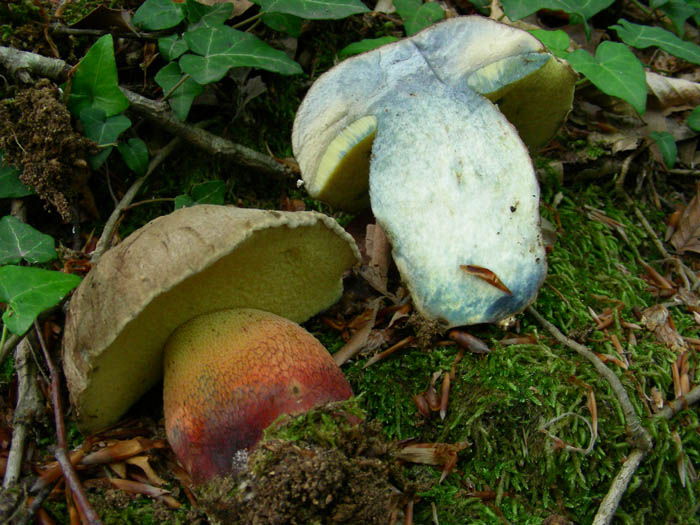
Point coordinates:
pixel 213 294
pixel 408 128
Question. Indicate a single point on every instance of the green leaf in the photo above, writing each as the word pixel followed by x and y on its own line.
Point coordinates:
pixel 314 9
pixel 694 120
pixel 29 291
pixel 171 47
pixel 209 192
pixel 365 45
pixel 201 15
pixel 642 37
pixel 20 241
pixel 289 24
pixel 102 129
pixel 10 185
pixel 416 15
pixel 98 159
pixel 556 41
pixel 135 155
pixel 154 15
pixel 615 71
pixel 678 12
pixel 224 47
pixel 517 9
pixel 181 99
pixel 667 145
pixel 95 81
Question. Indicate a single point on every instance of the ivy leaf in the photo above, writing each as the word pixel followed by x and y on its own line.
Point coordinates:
pixel 517 9
pixel 95 81
pixel 29 291
pixel 210 192
pixel 289 24
pixel 678 12
pixel 171 47
pixel 556 41
pixel 314 9
pixel 201 15
pixel 181 99
pixel 694 120
pixel 20 241
pixel 367 44
pixel 135 155
pixel 642 37
pixel 154 15
pixel 416 15
pixel 615 71
pixel 224 47
pixel 10 185
pixel 102 129
pixel 667 145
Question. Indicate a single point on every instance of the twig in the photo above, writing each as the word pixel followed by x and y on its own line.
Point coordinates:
pixel 639 436
pixel 608 507
pixel 29 404
pixel 61 452
pixel 105 239
pixel 8 345
pixel 136 35
pixel 677 405
pixel 22 63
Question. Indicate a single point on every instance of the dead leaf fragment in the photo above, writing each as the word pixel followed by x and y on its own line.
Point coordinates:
pixel 486 275
pixel 687 236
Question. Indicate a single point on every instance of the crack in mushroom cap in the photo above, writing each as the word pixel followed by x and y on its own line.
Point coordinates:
pixel 178 266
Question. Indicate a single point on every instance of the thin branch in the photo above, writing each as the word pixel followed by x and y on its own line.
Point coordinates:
pixel 136 35
pixel 105 239
pixel 682 403
pixel 29 405
pixel 8 345
pixel 61 452
pixel 639 436
pixel 608 507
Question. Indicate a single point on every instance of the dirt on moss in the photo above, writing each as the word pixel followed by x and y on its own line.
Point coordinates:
pixel 337 472
pixel 36 133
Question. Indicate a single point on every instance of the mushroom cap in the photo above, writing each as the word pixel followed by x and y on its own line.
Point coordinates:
pixel 192 261
pixel 510 66
pixel 473 203
pixel 229 374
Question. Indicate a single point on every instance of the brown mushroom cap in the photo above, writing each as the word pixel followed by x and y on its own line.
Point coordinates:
pixel 229 374
pixel 193 261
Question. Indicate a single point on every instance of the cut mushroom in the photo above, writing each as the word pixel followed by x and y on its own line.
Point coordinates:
pixel 449 179
pixel 178 267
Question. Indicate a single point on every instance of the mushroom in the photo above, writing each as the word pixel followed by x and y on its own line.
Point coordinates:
pixel 220 289
pixel 450 181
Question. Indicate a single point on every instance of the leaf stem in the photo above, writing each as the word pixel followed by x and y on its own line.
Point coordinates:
pixel 248 20
pixel 177 85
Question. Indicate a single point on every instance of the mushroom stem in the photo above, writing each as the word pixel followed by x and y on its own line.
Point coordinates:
pixel 229 374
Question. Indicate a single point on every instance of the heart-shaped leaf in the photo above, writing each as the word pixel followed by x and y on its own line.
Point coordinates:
pixel 694 119
pixel 102 129
pixel 95 81
pixel 209 192
pixel 29 291
pixel 556 41
pixel 181 99
pixel 615 71
pixel 10 185
pixel 667 145
pixel 678 11
pixel 223 48
pixel 642 37
pixel 20 241
pixel 517 9
pixel 416 15
pixel 155 15
pixel 135 155
pixel 314 9
pixel 171 47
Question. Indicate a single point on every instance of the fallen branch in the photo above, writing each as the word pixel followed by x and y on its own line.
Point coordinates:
pixel 608 507
pixel 61 452
pixel 23 64
pixel 29 405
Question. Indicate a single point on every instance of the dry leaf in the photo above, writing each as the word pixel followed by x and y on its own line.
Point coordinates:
pixel 486 275
pixel 359 339
pixel 136 487
pixel 142 463
pixel 121 450
pixel 673 94
pixel 687 236
pixel 469 342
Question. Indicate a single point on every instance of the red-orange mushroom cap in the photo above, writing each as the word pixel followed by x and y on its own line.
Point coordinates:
pixel 228 375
